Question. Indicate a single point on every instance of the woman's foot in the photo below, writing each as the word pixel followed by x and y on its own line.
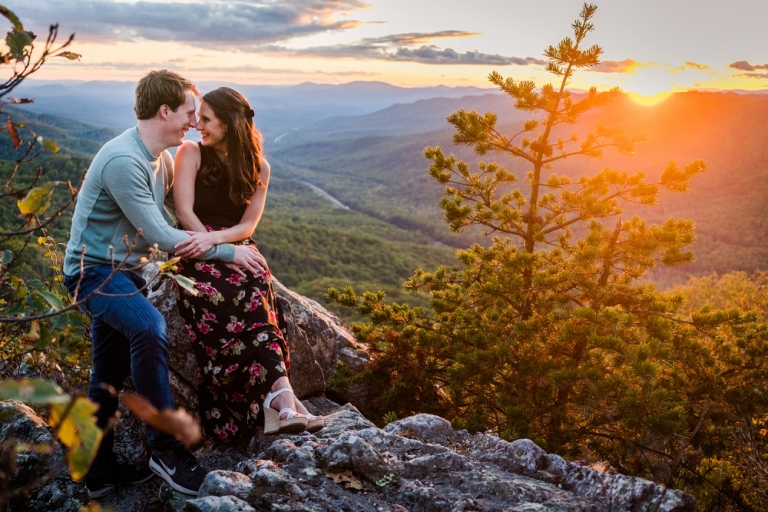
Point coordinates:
pixel 284 400
pixel 280 414
pixel 314 423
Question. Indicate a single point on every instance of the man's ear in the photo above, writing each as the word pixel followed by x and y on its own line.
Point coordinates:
pixel 163 111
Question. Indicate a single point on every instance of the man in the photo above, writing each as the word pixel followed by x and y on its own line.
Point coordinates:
pixel 123 194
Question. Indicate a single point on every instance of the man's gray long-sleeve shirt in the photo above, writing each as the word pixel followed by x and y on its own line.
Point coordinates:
pixel 124 191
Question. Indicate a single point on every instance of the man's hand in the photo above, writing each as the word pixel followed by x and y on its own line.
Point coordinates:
pixel 195 245
pixel 248 257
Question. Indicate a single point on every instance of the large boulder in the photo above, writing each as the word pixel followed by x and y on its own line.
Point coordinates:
pixel 331 341
pixel 316 337
pixel 418 464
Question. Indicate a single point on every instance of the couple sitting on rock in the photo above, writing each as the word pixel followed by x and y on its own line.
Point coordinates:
pixel 219 190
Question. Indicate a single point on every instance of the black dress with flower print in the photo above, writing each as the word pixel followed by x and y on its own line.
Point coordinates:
pixel 233 323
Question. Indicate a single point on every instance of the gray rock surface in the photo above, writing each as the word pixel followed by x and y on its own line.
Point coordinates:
pixel 218 504
pixel 418 464
pixel 225 483
pixel 331 341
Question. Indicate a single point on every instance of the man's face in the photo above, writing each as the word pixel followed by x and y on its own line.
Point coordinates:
pixel 182 120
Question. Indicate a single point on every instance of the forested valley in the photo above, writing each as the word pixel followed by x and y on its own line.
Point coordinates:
pixel 618 317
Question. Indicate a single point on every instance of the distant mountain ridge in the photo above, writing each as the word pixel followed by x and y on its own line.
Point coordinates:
pixel 373 162
pixel 279 109
pixel 421 116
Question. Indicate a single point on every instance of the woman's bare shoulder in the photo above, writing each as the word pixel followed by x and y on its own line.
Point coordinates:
pixel 188 150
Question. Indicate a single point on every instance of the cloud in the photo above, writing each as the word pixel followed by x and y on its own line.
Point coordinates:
pixel 249 26
pixel 219 23
pixel 278 71
pixel 190 66
pixel 629 66
pixel 412 38
pixel 753 75
pixel 401 48
pixel 743 65
pixel 617 66
pixel 694 65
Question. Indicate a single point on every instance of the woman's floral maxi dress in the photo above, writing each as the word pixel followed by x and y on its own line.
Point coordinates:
pixel 233 324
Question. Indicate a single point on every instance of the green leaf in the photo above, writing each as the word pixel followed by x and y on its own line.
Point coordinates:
pixel 11 16
pixel 72 319
pixel 36 284
pixel 17 40
pixel 54 300
pixel 390 417
pixel 45 338
pixel 186 283
pixel 48 144
pixel 168 266
pixel 32 391
pixel 69 55
pixel 78 432
pixel 37 201
pixel 19 286
pixel 7 256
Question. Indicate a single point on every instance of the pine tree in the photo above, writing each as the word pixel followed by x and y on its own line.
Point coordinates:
pixel 547 331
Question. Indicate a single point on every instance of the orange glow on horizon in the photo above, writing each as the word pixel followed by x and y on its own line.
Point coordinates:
pixel 648 101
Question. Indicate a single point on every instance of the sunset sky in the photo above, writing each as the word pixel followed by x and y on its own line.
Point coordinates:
pixel 651 46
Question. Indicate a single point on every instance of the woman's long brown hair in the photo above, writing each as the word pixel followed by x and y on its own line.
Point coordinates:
pixel 244 151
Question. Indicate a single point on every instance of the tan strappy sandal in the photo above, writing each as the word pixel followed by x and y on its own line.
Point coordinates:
pixel 314 423
pixel 294 422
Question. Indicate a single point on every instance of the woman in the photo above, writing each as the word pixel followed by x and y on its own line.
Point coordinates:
pixel 220 186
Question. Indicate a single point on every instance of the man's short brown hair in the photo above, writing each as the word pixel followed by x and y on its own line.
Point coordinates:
pixel 158 88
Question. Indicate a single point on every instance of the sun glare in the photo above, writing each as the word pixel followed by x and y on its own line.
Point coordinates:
pixel 648 101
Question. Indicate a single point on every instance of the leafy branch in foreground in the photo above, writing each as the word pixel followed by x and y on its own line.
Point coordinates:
pixel 73 424
pixel 548 331
pixel 56 342
pixel 42 331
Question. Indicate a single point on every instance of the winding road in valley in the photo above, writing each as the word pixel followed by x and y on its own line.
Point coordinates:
pixel 326 195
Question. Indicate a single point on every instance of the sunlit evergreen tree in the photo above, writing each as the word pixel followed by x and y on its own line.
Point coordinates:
pixel 548 331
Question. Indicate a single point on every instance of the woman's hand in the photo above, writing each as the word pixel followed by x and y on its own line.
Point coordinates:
pixel 197 243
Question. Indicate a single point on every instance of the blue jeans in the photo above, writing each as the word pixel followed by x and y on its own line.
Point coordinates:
pixel 129 337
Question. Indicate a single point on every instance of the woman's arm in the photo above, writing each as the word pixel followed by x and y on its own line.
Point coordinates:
pixel 184 174
pixel 252 214
pixel 200 242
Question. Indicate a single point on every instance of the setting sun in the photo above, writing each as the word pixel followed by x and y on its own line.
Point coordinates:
pixel 642 99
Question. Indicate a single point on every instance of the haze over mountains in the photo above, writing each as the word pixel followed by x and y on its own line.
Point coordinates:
pixel 278 109
pixel 362 143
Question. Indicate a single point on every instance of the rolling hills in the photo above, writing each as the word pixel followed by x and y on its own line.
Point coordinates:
pixel 373 163
pixel 386 176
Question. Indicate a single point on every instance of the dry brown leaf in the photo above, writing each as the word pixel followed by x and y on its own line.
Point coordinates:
pixel 175 422
pixel 349 480
pixel 15 139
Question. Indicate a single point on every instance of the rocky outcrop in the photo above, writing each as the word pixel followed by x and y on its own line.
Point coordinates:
pixel 415 464
pixel 317 339
pixel 331 340
pixel 418 464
